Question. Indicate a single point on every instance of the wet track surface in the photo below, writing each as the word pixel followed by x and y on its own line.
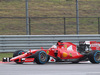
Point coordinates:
pixel 83 68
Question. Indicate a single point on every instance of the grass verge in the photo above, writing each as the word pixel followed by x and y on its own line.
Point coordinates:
pixel 2 55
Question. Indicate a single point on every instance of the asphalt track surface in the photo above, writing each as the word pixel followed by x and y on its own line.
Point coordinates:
pixel 83 68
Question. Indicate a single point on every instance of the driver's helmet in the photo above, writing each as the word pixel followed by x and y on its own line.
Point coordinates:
pixel 59 42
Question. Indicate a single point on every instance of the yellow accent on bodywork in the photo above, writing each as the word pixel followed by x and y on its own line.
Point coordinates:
pixel 65 46
pixel 70 54
pixel 47 52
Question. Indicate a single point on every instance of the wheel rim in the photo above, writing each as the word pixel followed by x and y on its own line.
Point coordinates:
pixel 97 56
pixel 43 57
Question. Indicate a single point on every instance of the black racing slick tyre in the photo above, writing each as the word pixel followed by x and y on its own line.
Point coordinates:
pixel 41 57
pixel 94 57
pixel 16 53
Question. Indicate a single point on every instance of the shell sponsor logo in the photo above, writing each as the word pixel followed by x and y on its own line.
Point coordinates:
pixel 65 54
pixel 47 52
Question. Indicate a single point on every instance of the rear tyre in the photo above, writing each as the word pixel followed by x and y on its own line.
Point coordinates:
pixel 16 53
pixel 41 57
pixel 94 57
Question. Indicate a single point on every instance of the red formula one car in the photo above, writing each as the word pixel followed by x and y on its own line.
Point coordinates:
pixel 61 52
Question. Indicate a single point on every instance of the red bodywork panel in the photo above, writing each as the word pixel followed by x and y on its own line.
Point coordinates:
pixel 63 50
pixel 66 51
pixel 95 45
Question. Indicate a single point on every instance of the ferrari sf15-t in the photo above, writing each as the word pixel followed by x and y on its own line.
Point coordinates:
pixel 61 52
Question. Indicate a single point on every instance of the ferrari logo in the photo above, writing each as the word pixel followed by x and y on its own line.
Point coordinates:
pixel 65 46
pixel 47 52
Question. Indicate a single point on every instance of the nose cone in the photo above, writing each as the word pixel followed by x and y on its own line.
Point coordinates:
pixel 13 59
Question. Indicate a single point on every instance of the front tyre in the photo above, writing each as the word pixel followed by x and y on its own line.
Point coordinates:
pixel 41 57
pixel 94 56
pixel 16 53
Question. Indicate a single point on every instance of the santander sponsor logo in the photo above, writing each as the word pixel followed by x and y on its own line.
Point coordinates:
pixel 95 45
